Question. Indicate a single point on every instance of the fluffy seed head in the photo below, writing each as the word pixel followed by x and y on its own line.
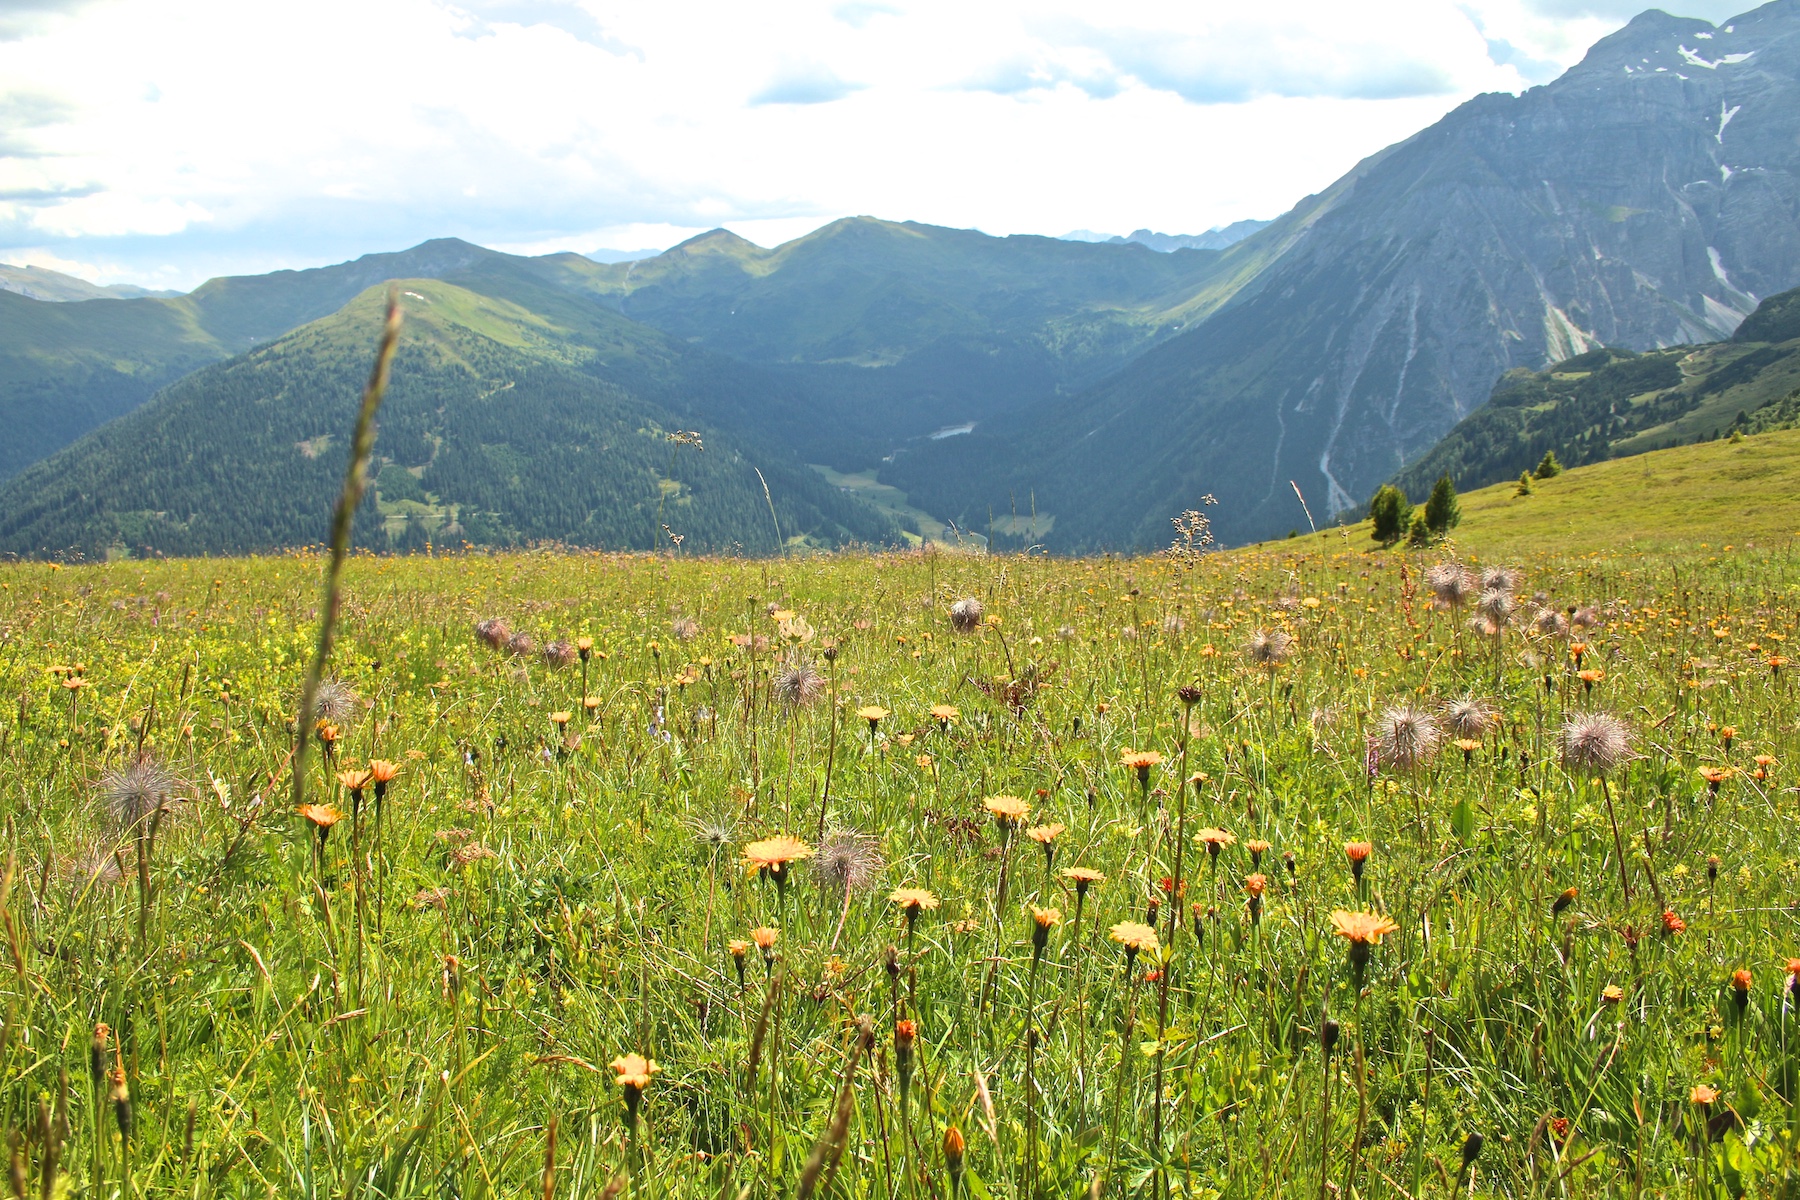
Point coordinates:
pixel 1406 738
pixel 140 788
pixel 559 653
pixel 1504 578
pixel 1269 648
pixel 1451 584
pixel 1595 743
pixel 1469 716
pixel 1496 606
pixel 848 861
pixel 335 701
pixel 798 683
pixel 494 632
pixel 965 615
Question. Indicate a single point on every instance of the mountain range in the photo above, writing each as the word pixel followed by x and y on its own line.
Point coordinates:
pixel 1065 393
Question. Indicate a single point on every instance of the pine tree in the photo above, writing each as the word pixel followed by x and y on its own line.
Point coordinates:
pixel 1548 467
pixel 1391 512
pixel 1442 512
pixel 1524 484
pixel 1421 532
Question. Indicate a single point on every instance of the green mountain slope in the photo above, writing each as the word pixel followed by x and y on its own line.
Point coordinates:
pixel 502 425
pixel 873 331
pixel 66 367
pixel 901 329
pixel 1718 493
pixel 1612 403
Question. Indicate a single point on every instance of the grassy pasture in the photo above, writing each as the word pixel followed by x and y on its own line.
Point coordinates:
pixel 411 1003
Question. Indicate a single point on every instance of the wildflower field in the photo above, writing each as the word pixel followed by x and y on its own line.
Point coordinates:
pixel 1307 870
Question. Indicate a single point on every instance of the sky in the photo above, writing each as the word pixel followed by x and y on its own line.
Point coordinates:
pixel 163 142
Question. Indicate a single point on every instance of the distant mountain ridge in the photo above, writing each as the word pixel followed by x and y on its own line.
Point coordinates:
pixel 1213 239
pixel 1648 197
pixel 41 283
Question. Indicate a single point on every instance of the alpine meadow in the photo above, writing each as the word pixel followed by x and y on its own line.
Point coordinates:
pixel 1308 708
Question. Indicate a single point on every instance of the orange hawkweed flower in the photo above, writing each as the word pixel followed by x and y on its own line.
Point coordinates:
pixel 322 816
pixel 945 714
pixel 1140 761
pixel 1045 833
pixel 1612 993
pixel 1255 885
pixel 1083 878
pixel 1714 776
pixel 355 781
pixel 383 771
pixel 1008 811
pixel 873 714
pixel 1136 938
pixel 1671 923
pixel 774 854
pixel 634 1070
pixel 914 899
pixel 1214 840
pixel 1702 1094
pixel 1362 928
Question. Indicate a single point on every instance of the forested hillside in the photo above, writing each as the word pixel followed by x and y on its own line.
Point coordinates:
pixel 505 436
pixel 1610 403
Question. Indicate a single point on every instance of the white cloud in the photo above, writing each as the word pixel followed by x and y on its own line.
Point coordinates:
pixel 168 141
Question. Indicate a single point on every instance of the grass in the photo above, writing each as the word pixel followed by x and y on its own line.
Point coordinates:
pixel 916 525
pixel 405 1004
pixel 1686 498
